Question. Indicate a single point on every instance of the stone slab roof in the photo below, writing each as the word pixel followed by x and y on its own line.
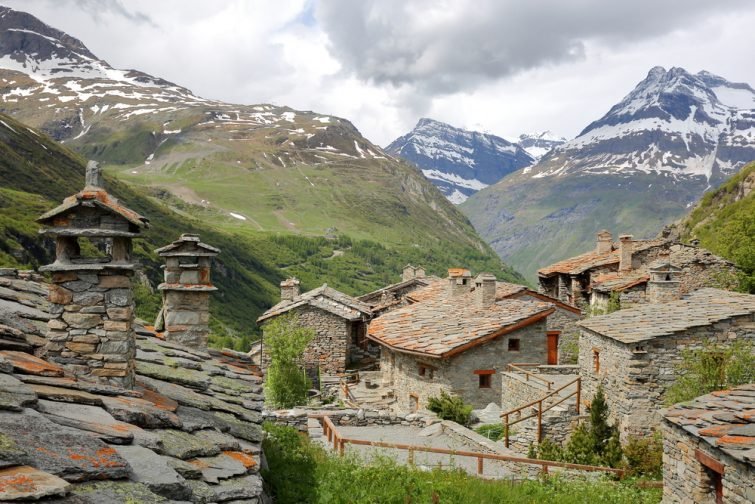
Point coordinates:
pixel 615 281
pixel 190 431
pixel 698 309
pixel 99 198
pixel 324 298
pixel 725 420
pixel 444 326
pixel 583 262
pixel 191 243
pixel 23 310
pixel 418 282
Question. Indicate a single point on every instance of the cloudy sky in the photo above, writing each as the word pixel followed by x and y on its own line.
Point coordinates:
pixel 503 66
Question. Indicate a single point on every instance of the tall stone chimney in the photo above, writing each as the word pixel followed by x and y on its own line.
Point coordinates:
pixel 664 284
pixel 91 297
pixel 485 287
pixel 289 289
pixel 408 273
pixel 625 253
pixel 186 289
pixel 604 242
pixel 459 281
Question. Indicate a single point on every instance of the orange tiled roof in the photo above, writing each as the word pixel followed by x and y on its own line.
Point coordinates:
pixel 445 326
pixel 583 262
pixel 723 419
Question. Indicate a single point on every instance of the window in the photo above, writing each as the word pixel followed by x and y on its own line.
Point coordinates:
pixel 485 381
pixel 514 345
pixel 426 371
pixel 596 360
pixel 485 377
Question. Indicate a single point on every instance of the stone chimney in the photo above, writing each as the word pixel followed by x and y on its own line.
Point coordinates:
pixel 664 284
pixel 289 289
pixel 604 242
pixel 625 253
pixel 485 286
pixel 185 315
pixel 409 273
pixel 419 272
pixel 91 297
pixel 459 281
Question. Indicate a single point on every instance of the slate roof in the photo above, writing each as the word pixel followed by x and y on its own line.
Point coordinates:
pixel 700 308
pixel 190 241
pixel 615 281
pixel 725 420
pixel 99 198
pixel 23 310
pixel 190 431
pixel 324 298
pixel 583 262
pixel 377 294
pixel 443 326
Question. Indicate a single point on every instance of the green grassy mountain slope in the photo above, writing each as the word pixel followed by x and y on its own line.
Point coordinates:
pixel 36 173
pixel 724 222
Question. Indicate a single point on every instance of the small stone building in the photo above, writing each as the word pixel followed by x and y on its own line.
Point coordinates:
pixel 186 289
pixel 395 295
pixel 709 448
pixel 634 352
pixel 90 330
pixel 339 320
pixel 458 341
pixel 623 268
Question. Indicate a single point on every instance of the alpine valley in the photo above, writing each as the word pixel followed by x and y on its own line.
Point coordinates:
pixel 639 167
pixel 283 192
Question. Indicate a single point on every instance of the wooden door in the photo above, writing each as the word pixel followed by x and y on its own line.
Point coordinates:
pixel 553 347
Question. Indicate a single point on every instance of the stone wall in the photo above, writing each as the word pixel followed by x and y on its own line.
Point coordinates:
pixel 299 417
pixel 685 479
pixel 457 374
pixel 90 331
pixel 635 377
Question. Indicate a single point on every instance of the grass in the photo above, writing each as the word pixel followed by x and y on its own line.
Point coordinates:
pixel 300 471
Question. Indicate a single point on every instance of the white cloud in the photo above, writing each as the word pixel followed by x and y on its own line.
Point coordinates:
pixel 503 66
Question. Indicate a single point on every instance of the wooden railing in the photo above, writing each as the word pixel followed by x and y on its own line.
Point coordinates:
pixel 349 398
pixel 518 367
pixel 540 409
pixel 339 442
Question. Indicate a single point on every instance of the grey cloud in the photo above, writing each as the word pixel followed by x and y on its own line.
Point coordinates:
pixel 96 8
pixel 442 46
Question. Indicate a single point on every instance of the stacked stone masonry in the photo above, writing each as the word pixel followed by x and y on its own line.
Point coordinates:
pixel 90 330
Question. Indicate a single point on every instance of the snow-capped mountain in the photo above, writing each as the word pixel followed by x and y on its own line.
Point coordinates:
pixel 459 162
pixel 673 122
pixel 637 168
pixel 539 144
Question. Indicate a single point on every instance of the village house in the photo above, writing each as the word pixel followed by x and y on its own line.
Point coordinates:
pixel 394 296
pixel 634 352
pixel 623 268
pixel 457 338
pixel 709 448
pixel 339 321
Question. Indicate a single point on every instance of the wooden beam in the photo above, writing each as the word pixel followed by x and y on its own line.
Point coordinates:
pixel 709 461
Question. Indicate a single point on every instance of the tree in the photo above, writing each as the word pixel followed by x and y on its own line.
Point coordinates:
pixel 285 342
pixel 712 367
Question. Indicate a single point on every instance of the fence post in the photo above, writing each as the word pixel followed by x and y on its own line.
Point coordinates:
pixel 340 447
pixel 411 457
pixel 579 392
pixel 539 421
pixel 479 465
pixel 506 430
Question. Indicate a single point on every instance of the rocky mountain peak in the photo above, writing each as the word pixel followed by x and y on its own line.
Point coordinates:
pixel 459 162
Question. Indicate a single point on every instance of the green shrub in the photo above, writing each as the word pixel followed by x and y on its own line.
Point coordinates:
pixel 450 407
pixel 285 342
pixel 712 367
pixel 291 465
pixel 644 456
pixel 491 431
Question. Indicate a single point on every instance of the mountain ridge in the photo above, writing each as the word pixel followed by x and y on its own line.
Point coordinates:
pixel 458 161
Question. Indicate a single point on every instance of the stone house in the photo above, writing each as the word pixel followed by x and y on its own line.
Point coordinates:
pixel 634 352
pixel 709 448
pixel 394 296
pixel 339 320
pixel 623 268
pixel 458 341
pixel 561 324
